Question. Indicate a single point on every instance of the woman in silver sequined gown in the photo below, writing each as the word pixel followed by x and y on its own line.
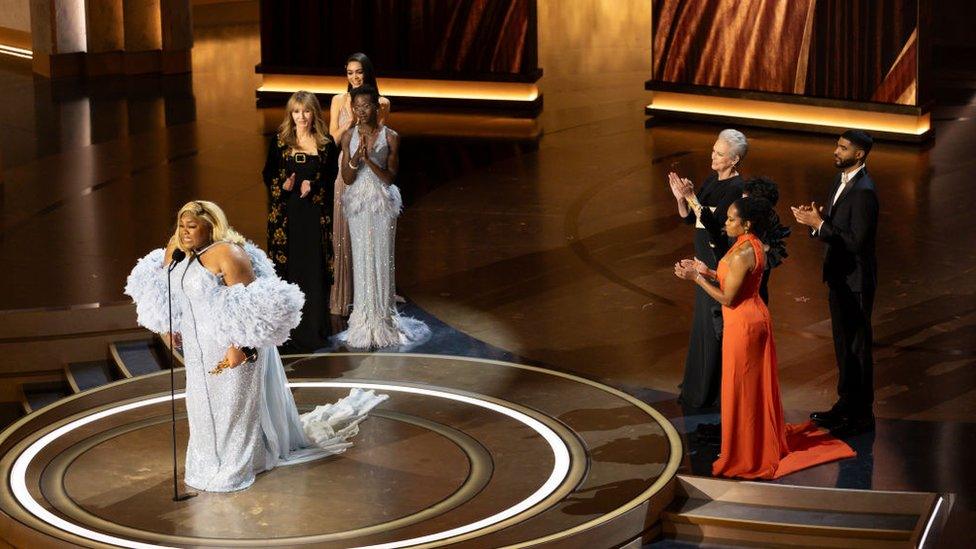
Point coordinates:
pixel 372 203
pixel 359 72
pixel 242 417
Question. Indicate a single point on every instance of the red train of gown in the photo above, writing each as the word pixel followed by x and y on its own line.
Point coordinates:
pixel 756 441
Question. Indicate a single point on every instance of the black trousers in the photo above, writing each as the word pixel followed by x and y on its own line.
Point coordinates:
pixel 850 317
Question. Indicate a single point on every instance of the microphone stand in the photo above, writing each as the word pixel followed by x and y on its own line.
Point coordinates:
pixel 178 255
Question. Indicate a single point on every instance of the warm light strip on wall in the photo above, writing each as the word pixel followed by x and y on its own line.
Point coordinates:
pixel 16 52
pixel 407 87
pixel 791 113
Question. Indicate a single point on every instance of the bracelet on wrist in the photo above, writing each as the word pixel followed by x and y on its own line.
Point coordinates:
pixel 354 166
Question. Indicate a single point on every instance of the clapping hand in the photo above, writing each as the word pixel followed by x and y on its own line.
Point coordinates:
pixel 360 155
pixel 681 187
pixel 686 269
pixel 289 183
pixel 366 144
pixel 808 215
pixel 357 157
pixel 698 265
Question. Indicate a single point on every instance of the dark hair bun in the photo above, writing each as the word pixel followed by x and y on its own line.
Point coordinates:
pixel 758 212
pixel 762 187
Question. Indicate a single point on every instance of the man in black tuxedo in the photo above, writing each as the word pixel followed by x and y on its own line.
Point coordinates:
pixel 848 228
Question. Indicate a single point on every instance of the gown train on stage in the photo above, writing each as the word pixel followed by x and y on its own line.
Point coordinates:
pixel 371 209
pixel 756 440
pixel 243 420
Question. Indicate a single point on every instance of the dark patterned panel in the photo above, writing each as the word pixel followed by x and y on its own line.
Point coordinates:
pixel 473 39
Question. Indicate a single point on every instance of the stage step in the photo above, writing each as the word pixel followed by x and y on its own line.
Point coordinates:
pixel 738 513
pixel 161 343
pixel 10 412
pixel 90 374
pixel 39 394
pixel 136 358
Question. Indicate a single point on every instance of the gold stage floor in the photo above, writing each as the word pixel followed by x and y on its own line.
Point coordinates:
pixel 465 451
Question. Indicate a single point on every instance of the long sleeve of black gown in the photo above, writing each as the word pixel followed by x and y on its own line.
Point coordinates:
pixel 726 193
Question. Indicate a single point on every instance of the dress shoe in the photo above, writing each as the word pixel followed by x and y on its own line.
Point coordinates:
pixel 709 428
pixel 827 418
pixel 709 434
pixel 853 425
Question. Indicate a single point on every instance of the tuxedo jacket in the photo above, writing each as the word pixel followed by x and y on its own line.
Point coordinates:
pixel 849 231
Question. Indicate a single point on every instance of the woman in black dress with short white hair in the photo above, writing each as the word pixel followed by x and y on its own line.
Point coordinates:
pixel 707 209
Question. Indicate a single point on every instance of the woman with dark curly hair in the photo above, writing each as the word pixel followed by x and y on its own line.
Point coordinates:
pixel 774 241
pixel 756 441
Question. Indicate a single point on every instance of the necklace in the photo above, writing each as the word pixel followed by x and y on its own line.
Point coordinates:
pixel 202 250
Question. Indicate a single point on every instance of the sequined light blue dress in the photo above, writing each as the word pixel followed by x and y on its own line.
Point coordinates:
pixel 372 207
pixel 242 421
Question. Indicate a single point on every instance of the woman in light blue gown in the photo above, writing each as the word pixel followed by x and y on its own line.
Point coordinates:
pixel 227 300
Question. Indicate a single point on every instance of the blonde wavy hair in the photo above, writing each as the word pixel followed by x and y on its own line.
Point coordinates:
pixel 288 133
pixel 212 215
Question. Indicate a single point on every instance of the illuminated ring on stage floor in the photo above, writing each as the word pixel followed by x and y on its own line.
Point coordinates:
pixel 560 469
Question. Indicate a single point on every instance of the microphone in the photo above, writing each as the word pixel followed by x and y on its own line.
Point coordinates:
pixel 178 255
pixel 250 354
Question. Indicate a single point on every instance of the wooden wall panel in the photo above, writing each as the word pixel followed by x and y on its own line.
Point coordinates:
pixel 848 50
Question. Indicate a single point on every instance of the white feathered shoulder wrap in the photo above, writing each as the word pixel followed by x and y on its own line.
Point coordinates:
pixel 261 314
pixel 146 286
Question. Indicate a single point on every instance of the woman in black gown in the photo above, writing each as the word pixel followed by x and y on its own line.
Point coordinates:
pixel 299 173
pixel 774 238
pixel 707 209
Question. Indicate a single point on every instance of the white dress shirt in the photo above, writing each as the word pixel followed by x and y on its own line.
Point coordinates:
pixel 845 178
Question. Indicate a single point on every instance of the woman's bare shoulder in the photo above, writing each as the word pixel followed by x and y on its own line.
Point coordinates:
pixel 743 255
pixel 229 251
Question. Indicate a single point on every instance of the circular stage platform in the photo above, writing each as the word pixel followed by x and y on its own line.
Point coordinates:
pixel 466 452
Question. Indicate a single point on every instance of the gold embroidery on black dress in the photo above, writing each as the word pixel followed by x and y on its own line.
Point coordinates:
pixel 275 174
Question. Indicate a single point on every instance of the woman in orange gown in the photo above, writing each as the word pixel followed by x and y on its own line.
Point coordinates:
pixel 756 441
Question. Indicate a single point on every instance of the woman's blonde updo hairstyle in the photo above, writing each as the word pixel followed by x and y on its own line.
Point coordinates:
pixel 212 215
